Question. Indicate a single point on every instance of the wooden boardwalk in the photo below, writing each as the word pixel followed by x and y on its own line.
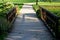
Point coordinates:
pixel 28 27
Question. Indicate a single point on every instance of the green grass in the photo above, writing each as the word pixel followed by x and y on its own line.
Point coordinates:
pixel 53 7
pixel 20 6
pixel 36 7
pixel 48 3
pixel 20 1
pixel 44 4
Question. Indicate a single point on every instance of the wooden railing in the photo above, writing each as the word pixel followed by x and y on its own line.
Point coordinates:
pixel 9 19
pixel 51 21
pixel 11 15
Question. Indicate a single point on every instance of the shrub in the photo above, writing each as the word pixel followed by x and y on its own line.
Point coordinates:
pixel 4 8
pixel 38 13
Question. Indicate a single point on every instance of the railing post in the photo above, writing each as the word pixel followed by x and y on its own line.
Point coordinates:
pixel 16 9
pixel 43 15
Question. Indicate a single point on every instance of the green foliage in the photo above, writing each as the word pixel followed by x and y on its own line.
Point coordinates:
pixel 36 8
pixel 4 24
pixel 19 1
pixel 50 0
pixel 4 8
pixel 38 13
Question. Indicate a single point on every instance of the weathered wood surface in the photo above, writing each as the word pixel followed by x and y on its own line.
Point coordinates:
pixel 28 27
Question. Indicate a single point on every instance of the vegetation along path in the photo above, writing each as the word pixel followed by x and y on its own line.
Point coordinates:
pixel 28 27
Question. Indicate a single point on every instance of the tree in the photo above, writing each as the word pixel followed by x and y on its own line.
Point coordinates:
pixel 2 0
pixel 36 2
pixel 50 0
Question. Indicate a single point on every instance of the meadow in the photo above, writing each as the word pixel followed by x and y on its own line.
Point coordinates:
pixel 19 1
pixel 53 7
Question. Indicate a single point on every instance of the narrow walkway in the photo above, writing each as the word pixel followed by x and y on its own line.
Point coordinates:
pixel 28 27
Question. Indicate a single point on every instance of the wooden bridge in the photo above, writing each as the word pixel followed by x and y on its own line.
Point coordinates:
pixel 28 27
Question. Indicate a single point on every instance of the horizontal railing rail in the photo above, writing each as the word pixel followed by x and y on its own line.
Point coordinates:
pixel 6 24
pixel 11 15
pixel 51 20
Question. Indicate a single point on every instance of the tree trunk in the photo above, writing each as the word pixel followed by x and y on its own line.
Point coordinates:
pixel 36 2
